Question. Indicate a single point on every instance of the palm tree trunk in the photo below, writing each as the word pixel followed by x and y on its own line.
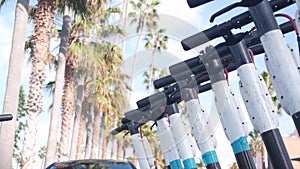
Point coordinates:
pixel 96 133
pixel 89 132
pixel 101 137
pixel 82 127
pixel 124 24
pixel 263 156
pixel 7 129
pixel 114 146
pixel 134 60
pixel 41 39
pixel 68 106
pixel 104 146
pixel 119 149
pixel 134 160
pixel 59 83
pixel 151 70
pixel 56 110
pixel 77 117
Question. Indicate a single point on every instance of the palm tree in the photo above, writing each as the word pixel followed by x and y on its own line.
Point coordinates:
pixel 109 93
pixel 78 108
pixel 81 34
pixel 59 81
pixel 82 126
pixel 74 51
pixel 156 73
pixel 7 130
pixel 234 166
pixel 267 79
pixel 155 40
pixel 41 41
pixel 255 144
pixel 145 14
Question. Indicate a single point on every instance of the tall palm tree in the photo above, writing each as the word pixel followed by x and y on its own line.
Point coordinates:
pixel 82 126
pixel 41 41
pixel 74 51
pixel 108 89
pixel 155 40
pixel 89 128
pixel 78 108
pixel 145 14
pixel 81 35
pixel 7 130
pixel 59 82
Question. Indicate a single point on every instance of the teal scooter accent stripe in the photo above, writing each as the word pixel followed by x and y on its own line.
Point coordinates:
pixel 210 157
pixel 189 163
pixel 176 164
pixel 240 145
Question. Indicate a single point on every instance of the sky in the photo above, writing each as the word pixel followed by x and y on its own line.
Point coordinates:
pixel 180 22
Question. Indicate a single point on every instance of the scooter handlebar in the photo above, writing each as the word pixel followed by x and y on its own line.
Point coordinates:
pixel 195 3
pixel 6 117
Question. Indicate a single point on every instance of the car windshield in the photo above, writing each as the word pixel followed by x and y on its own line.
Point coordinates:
pixel 93 165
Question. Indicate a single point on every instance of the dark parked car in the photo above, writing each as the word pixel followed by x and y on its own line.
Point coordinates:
pixel 92 164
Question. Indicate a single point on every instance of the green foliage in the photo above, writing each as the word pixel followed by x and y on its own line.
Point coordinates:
pixel 156 74
pixel 156 39
pixel 20 125
pixel 42 152
pixel 234 166
pixel 79 7
pixel 255 143
pixel 32 12
pixel 200 164
pixel 144 14
pixel 29 47
pixel 270 86
pixel 1 3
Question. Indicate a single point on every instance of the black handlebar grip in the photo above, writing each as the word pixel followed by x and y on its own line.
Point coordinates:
pixel 118 129
pixel 6 117
pixel 151 99
pixel 195 3
pixel 204 88
pixel 125 120
pixel 182 66
pixel 234 23
pixel 201 38
pixel 130 116
pixel 159 83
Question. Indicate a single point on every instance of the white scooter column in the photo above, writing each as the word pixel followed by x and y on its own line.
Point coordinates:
pixel 201 127
pixel 258 102
pixel 283 70
pixel 143 151
pixel 168 144
pixel 181 138
pixel 229 110
pixel 257 99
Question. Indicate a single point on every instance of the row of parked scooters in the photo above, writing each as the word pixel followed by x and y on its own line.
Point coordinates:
pixel 205 72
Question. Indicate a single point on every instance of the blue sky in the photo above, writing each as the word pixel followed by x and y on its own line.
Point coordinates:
pixel 194 20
